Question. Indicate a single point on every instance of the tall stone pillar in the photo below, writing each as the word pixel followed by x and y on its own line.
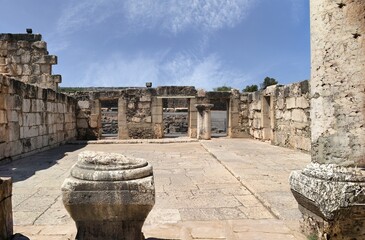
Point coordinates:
pixel 122 119
pixel 204 121
pixel 193 116
pixel 233 114
pixel 157 116
pixel 331 190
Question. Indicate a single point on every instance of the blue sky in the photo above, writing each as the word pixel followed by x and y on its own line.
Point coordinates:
pixel 203 43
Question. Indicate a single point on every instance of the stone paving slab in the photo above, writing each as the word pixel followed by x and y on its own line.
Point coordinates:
pixel 262 168
pixel 198 195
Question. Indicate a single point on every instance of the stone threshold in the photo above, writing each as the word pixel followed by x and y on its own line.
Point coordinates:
pixel 134 141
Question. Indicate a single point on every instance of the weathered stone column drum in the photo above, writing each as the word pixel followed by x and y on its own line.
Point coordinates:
pixel 331 190
pixel 109 195
pixel 204 121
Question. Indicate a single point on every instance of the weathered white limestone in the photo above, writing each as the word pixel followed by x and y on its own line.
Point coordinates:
pixel 204 130
pixel 25 57
pixel 6 213
pixel 109 195
pixel 29 113
pixel 331 190
pixel 193 118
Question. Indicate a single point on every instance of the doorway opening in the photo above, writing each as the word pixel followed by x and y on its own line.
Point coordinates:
pixel 266 118
pixel 109 118
pixel 219 118
pixel 175 117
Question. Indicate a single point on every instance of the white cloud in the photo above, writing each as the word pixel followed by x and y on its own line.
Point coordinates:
pixel 173 15
pixel 119 71
pixel 207 72
pixel 86 13
pixel 176 15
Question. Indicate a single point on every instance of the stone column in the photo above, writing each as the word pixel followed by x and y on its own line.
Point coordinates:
pixel 122 119
pixel 6 212
pixel 204 121
pixel 233 129
pixel 109 196
pixel 157 116
pixel 193 118
pixel 331 190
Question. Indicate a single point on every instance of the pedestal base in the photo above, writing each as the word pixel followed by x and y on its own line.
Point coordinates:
pixel 95 230
pixel 332 201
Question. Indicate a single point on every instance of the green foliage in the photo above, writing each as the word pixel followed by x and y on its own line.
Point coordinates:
pixel 268 82
pixel 250 88
pixel 223 89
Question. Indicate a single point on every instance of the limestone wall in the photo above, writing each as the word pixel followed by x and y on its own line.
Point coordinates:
pixel 136 105
pixel 279 114
pixel 33 118
pixel 139 113
pixel 25 57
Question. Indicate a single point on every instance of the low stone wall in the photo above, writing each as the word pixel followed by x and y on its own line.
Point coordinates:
pixel 279 114
pixel 33 118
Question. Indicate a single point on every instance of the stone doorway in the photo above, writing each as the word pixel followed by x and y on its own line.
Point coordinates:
pixel 175 117
pixel 267 118
pixel 219 113
pixel 109 118
pixel 219 119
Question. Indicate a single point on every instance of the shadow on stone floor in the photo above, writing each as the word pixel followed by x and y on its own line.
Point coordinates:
pixel 156 238
pixel 26 167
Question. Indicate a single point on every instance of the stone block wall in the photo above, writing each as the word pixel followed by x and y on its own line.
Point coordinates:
pixel 279 114
pixel 292 116
pixel 243 121
pixel 139 113
pixel 88 123
pixel 25 57
pixel 32 118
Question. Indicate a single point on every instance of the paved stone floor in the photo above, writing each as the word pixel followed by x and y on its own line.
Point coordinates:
pixel 218 189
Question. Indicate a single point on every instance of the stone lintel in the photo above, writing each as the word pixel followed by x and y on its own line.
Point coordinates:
pixel 176 91
pixel 20 37
pixel 175 97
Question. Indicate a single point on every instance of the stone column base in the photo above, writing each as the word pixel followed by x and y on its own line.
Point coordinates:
pixel 332 201
pixel 96 230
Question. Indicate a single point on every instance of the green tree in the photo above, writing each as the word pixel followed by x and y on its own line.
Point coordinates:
pixel 268 81
pixel 223 89
pixel 251 88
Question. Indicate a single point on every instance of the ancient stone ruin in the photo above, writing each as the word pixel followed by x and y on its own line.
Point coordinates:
pixel 34 117
pixel 109 195
pixel 324 116
pixel 25 57
pixel 331 190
